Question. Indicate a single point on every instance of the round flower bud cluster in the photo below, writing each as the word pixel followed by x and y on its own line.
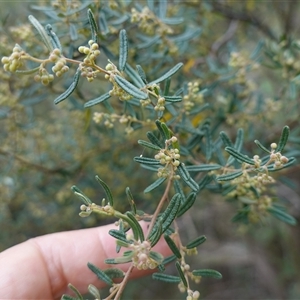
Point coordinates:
pixel 245 182
pixel 98 117
pixel 160 106
pixel 192 97
pixel 107 118
pixel 145 19
pixel 14 61
pixel 193 295
pixel 60 67
pixel 44 77
pixel 257 161
pixel 141 259
pixel 91 52
pixel 264 203
pixel 168 156
pixel 276 157
pixel 119 92
pixel 145 102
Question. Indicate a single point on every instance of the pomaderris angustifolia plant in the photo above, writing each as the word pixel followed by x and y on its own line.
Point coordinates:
pixel 180 144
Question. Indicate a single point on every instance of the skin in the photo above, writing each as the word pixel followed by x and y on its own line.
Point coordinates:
pixel 42 267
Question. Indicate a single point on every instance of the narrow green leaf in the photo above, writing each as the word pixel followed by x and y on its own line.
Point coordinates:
pixel 187 35
pixel 192 184
pixel 167 88
pixel 146 160
pixel 119 260
pixel 148 145
pixel 100 274
pixel 183 172
pixel 225 139
pixel 94 291
pixel 166 278
pixel 73 32
pixel 67 297
pixel 131 200
pixel 27 72
pixel 167 131
pixel 120 244
pixel 103 23
pixel 173 98
pixel 141 73
pixel 195 243
pixel 154 140
pixel 239 139
pixel 164 131
pixel 168 74
pixel 262 147
pixel 156 256
pixel 178 189
pixel 169 259
pixel 229 176
pixel 134 76
pixel 81 195
pixel 155 184
pixel 42 32
pixel 54 39
pixel 185 176
pixel 172 21
pixel 207 273
pixel 181 274
pixel 282 215
pixel 70 89
pixel 168 216
pixel 172 246
pixel 123 52
pixel 117 234
pixel 107 190
pixel 73 288
pixel 97 100
pixel 208 144
pixel 130 88
pixel 156 233
pixel 187 204
pixel 137 226
pixel 114 273
pixel 239 156
pixel 205 181
pixel 93 25
pixel 283 138
pixel 203 167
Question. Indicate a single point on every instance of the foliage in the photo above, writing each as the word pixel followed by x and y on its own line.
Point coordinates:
pixel 115 71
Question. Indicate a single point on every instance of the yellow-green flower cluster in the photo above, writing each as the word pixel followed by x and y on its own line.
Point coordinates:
pixel 169 158
pixel 14 61
pixel 44 77
pixel 91 52
pixel 193 97
pixel 141 259
pixel 60 64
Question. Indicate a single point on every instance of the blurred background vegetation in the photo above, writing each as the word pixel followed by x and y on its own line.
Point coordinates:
pixel 245 53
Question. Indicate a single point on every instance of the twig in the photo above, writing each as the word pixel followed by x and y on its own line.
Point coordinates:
pixel 160 205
